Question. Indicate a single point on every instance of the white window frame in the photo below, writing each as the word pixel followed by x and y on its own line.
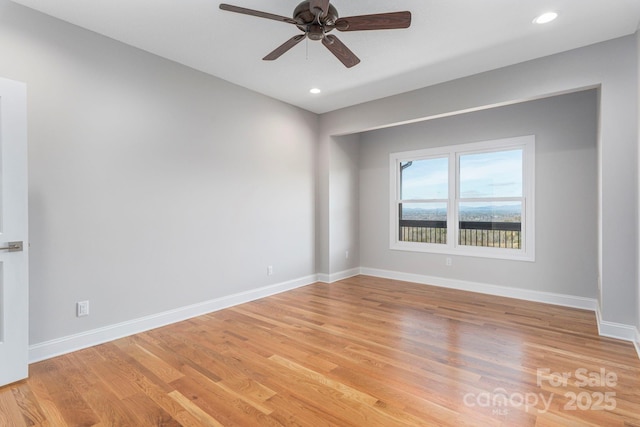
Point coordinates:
pixel 453 153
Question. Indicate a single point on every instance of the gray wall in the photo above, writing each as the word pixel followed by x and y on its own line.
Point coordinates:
pixel 612 66
pixel 151 186
pixel 345 188
pixel 565 128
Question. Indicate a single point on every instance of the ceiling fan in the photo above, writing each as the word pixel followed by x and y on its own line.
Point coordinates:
pixel 316 18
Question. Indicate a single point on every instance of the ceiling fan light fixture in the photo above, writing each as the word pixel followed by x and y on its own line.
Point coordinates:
pixel 545 18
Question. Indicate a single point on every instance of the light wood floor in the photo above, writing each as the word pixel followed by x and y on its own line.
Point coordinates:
pixel 360 352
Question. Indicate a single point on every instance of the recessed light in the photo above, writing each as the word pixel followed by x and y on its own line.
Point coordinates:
pixel 545 18
pixel 315 91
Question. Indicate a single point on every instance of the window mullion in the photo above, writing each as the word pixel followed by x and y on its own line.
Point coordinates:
pixel 452 209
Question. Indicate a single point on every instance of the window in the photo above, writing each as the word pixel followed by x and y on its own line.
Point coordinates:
pixel 472 199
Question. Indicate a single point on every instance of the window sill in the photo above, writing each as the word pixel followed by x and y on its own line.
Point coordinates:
pixel 478 252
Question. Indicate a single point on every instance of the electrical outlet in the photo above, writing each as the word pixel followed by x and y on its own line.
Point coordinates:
pixel 82 308
pixel 269 270
pixel 346 254
pixel 448 262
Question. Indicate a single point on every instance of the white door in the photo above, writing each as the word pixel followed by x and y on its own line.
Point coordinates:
pixel 14 279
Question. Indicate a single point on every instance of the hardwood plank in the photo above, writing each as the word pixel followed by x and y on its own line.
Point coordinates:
pixel 146 358
pixel 95 391
pixel 147 412
pixel 362 351
pixel 68 400
pixel 49 407
pixel 225 407
pixel 20 402
pixel 201 416
pixel 10 414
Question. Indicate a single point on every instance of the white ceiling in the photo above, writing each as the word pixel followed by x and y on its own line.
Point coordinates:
pixel 447 39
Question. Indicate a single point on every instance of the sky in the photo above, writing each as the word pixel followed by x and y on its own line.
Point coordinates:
pixel 493 174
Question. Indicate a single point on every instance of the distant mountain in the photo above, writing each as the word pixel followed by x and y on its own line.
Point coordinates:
pixel 504 213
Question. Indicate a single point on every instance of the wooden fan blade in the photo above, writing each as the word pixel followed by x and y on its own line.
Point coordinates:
pixel 348 58
pixel 245 11
pixel 380 21
pixel 277 52
pixel 319 6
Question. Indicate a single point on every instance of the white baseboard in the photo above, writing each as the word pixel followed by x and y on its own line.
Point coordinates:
pixel 616 330
pixel 324 278
pixel 57 347
pixel 484 288
pixel 334 277
pixel 636 341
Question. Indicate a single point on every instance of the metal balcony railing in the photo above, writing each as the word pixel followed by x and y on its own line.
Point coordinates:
pixel 472 233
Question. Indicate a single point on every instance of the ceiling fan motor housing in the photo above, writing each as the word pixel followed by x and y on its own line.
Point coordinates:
pixel 307 20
